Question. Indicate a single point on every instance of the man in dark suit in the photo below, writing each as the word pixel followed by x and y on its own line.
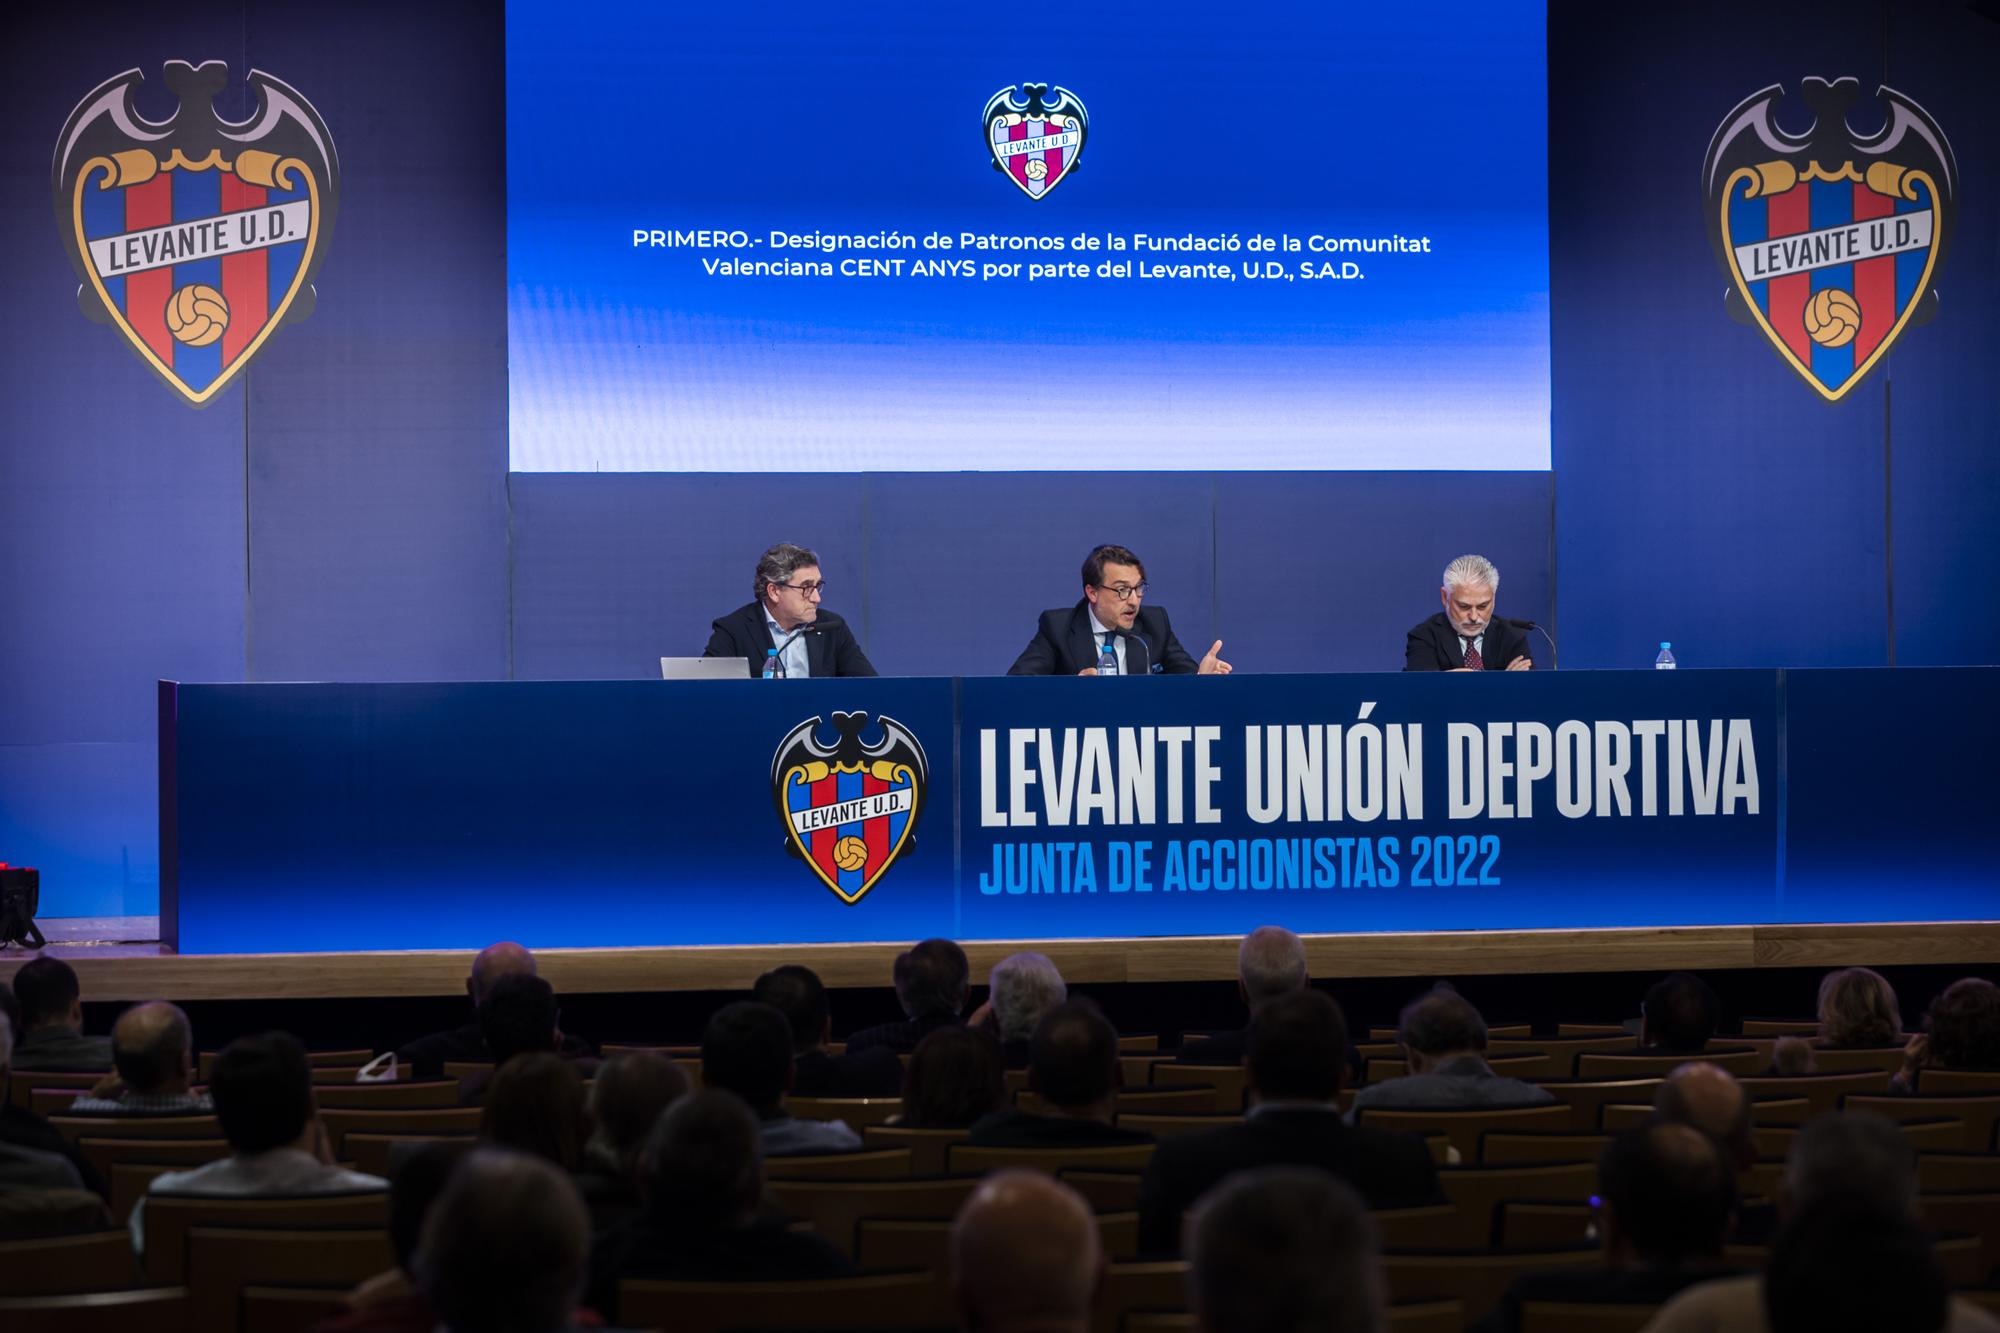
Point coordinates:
pixel 788 588
pixel 1072 641
pixel 50 1035
pixel 467 1044
pixel 796 992
pixel 932 980
pixel 1295 1061
pixel 1073 1066
pixel 1466 636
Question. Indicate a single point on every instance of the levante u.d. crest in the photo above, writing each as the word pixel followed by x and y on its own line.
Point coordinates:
pixel 851 808
pixel 196 238
pixel 1832 240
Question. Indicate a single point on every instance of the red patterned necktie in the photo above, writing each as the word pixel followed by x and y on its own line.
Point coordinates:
pixel 1473 661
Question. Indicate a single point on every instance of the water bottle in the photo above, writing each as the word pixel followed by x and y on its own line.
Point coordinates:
pixel 1665 661
pixel 774 666
pixel 1107 661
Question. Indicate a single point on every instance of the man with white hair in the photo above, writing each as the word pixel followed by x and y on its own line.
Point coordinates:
pixel 1022 987
pixel 1270 962
pixel 1466 635
pixel 1025 1257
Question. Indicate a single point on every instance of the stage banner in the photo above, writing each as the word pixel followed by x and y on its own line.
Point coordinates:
pixel 1187 806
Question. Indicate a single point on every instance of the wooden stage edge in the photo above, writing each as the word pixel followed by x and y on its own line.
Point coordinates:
pixel 136 972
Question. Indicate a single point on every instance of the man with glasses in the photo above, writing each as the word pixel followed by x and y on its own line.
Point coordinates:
pixel 1112 616
pixel 788 591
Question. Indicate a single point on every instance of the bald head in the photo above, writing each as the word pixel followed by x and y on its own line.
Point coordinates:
pixel 505 959
pixel 1708 1098
pixel 1024 1254
pixel 1270 962
pixel 152 1048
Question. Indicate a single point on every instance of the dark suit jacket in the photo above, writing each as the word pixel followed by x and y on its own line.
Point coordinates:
pixel 1228 1048
pixel 1387 1170
pixel 1434 646
pixel 467 1045
pixel 830 652
pixel 1594 1286
pixel 1064 645
pixel 54 1048
pixel 902 1036
pixel 1024 1129
pixel 873 1072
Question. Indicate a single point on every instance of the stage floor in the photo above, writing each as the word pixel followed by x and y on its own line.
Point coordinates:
pixel 121 958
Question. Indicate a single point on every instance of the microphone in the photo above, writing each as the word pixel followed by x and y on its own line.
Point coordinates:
pixel 1519 624
pixel 1529 626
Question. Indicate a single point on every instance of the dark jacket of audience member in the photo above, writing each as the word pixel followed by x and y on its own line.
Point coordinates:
pixel 467 1044
pixel 932 979
pixel 747 1049
pixel 626 1101
pixel 1073 1066
pixel 1294 1064
pixel 796 993
pixel 1962 1030
pixel 954 1081
pixel 1445 1039
pixel 520 1016
pixel 705 1190
pixel 49 1034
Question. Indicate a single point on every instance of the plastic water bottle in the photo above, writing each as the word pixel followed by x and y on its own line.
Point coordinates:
pixel 1665 661
pixel 1107 661
pixel 774 666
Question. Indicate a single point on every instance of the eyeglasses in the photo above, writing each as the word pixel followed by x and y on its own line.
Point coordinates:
pixel 806 589
pixel 1124 592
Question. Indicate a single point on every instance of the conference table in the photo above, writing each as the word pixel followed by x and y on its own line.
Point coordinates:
pixel 338 817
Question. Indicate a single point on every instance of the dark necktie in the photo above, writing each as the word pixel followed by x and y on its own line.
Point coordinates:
pixel 1473 661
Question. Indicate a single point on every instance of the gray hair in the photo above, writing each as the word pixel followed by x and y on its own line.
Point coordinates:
pixel 1852 1155
pixel 778 564
pixel 1025 986
pixel 1472 571
pixel 1271 962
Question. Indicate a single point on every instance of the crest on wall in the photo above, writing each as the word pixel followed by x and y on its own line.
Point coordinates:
pixel 196 238
pixel 851 808
pixel 1832 240
pixel 1035 135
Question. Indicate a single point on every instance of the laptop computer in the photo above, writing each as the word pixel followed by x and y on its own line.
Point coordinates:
pixel 703 668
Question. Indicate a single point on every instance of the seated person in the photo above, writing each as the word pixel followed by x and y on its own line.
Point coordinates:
pixel 1072 640
pixel 932 980
pixel 389 1302
pixel 786 591
pixel 467 1044
pixel 1858 1011
pixel 1073 1065
pixel 796 993
pixel 1271 961
pixel 506 1246
pixel 1025 1257
pixel 1678 1016
pixel 1962 1031
pixel 1466 635
pixel 1283 1249
pixel 49 1033
pixel 1294 1066
pixel 626 1100
pixel 1020 989
pixel 519 1017
pixel 535 1104
pixel 1444 1038
pixel 747 1049
pixel 26 1169
pixel 954 1081
pixel 704 1218
pixel 1666 1192
pixel 20 1127
pixel 264 1101
pixel 152 1049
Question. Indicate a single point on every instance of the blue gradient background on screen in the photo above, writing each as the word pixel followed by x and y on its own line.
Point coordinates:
pixel 1265 117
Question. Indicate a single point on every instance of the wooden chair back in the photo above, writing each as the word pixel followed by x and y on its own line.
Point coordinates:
pixel 1781 1027
pixel 171 1217
pixel 868 1164
pixel 1587 1098
pixel 1478 1191
pixel 1609 1064
pixel 1382 1068
pixel 458 1069
pixel 289 1309
pixel 834 1207
pixel 341 1121
pixel 1414 1228
pixel 1136 1070
pixel 1113 1157
pixel 1975 1212
pixel 22 1082
pixel 224 1260
pixel 1476 1280
pixel 129 1182
pixel 891 1300
pixel 1379 1033
pixel 1568 1317
pixel 375 1153
pixel 1106 1191
pixel 1978 1112
pixel 431 1093
pixel 352 1058
pixel 1165 1126
pixel 1588 1030
pixel 926 1146
pixel 1139 1041
pixel 1153 1286
pixel 46 1102
pixel 1888 1058
pixel 141 1310
pixel 1949 1082
pixel 885 1244
pixel 1774 1142
pixel 108 1155
pixel 1426 1316
pixel 1464 1127
pixel 1942 1172
pixel 74 1127
pixel 94 1261
pixel 858 1112
pixel 1558 1053
pixel 1228 1081
pixel 1514 1148
pixel 1823 1091
pixel 1527 1224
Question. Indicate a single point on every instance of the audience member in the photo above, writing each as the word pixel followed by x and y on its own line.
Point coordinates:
pixel 1283 1250
pixel 1444 1039
pixel 1025 1257
pixel 50 1035
pixel 390 1302
pixel 626 1101
pixel 1792 1056
pixel 152 1050
pixel 1667 1192
pixel 1962 1031
pixel 796 993
pixel 520 1016
pixel 264 1101
pixel 467 1044
pixel 954 1081
pixel 1858 1010
pixel 932 979
pixel 1020 989
pixel 1270 962
pixel 20 1127
pixel 1708 1098
pixel 1294 1061
pixel 747 1049
pixel 703 1219
pixel 29 1169
pixel 535 1104
pixel 505 1248
pixel 1073 1066
pixel 1842 1268
pixel 1849 1172
pixel 1678 1015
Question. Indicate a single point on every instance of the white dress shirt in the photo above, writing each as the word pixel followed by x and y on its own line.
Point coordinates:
pixel 797 664
pixel 1098 633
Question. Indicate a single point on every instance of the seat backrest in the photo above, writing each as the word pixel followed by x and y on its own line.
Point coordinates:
pixel 1979 1112
pixel 1587 1098
pixel 1478 1190
pixel 1156 1285
pixel 434 1093
pixel 1164 1125
pixel 340 1121
pixel 870 1164
pixel 74 1127
pixel 1975 1212
pixel 1116 1157
pixel 926 1146
pixel 1464 1127
pixel 20 1082
pixel 289 1309
pixel 892 1300
pixel 375 1153
pixel 1515 1148
pixel 1477 1280
pixel 1105 1190
pixel 1951 1171
pixel 1559 1053
pixel 1414 1228
pixel 1565 1317
pixel 1527 1224
pixel 46 1102
pixel 858 1112
pixel 1426 1316
pixel 1619 1064
pixel 884 1244
pixel 155 1157
pixel 170 1217
pixel 833 1207
pixel 1824 1091
pixel 221 1261
pixel 1228 1081
pixel 93 1261
pixel 1139 1041
pixel 1826 1061
pixel 1947 1082
pixel 1526 1065
pixel 140 1310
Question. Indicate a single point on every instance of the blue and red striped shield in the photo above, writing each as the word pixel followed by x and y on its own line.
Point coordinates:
pixel 1034 137
pixel 196 237
pixel 852 808
pixel 1832 241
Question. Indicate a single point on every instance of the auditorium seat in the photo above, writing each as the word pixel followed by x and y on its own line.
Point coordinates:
pixel 46 1102
pixel 21 1082
pixel 1787 1112
pixel 1516 1148
pixel 352 1058
pixel 1165 1126
pixel 93 1261
pixel 341 1121
pixel 1015 1081
pixel 1978 1112
pixel 833 1207
pixel 884 1244
pixel 107 1154
pixel 891 1300
pixel 1143 1100
pixel 74 1127
pixel 1464 1127
pixel 1889 1059
pixel 1137 1070
pixel 926 1146
pixel 1116 1157
pixel 1608 1064
pixel 1139 1041
pixel 1780 1027
pixel 1951 1082
pixel 1824 1091
pixel 1226 1082
pixel 858 1112
pixel 1478 1191
pixel 1942 1171
pixel 1774 1142
pixel 433 1093
pixel 1476 1279
pixel 1414 1228
pixel 1535 1224
pixel 1587 1098
pixel 1158 1285
pixel 1564 1317
pixel 221 1261
pixel 868 1164
pixel 1558 1053
pixel 289 1309
pixel 610 1049
pixel 170 1218
pixel 458 1069
pixel 1379 1033
pixel 140 1310
pixel 1974 1212
pixel 1382 1068
pixel 1959 1256
pixel 374 1154
pixel 1584 1030
pixel 1106 1191
pixel 1425 1317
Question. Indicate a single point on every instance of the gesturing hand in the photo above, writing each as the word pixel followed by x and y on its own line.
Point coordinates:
pixel 1212 664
